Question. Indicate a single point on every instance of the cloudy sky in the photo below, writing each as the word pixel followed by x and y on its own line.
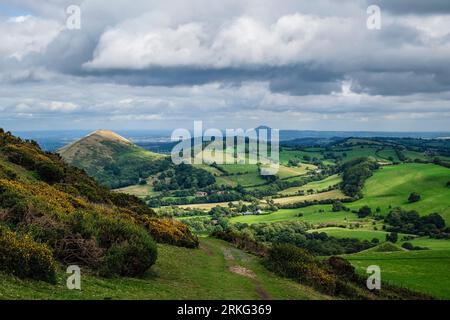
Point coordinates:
pixel 290 64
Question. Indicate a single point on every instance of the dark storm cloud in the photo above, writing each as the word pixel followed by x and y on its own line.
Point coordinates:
pixel 401 83
pixel 414 6
pixel 298 80
pixel 382 56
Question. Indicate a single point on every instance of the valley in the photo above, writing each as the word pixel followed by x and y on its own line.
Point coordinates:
pixel 383 201
pixel 389 187
pixel 223 155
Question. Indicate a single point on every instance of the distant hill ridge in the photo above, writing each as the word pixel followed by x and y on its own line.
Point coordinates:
pixel 70 151
pixel 108 135
pixel 111 159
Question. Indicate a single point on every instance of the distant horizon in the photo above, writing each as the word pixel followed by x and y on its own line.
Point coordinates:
pixel 170 130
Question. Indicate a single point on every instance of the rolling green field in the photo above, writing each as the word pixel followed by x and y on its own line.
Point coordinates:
pixel 414 155
pixel 287 172
pixel 215 271
pixel 248 175
pixel 140 191
pixel 239 168
pixel 208 206
pixel 358 152
pixel 391 186
pixel 313 214
pixel 361 234
pixel 388 154
pixel 433 244
pixel 316 185
pixel 332 194
pixel 425 271
pixel 246 179
pixel 287 154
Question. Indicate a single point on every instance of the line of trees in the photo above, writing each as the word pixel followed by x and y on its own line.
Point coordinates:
pixel 355 173
pixel 411 222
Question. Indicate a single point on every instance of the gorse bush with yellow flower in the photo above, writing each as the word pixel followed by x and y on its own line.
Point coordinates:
pixel 25 258
pixel 66 216
pixel 171 231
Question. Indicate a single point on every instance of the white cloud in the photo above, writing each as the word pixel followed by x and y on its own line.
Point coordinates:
pixel 241 42
pixel 22 35
pixel 217 104
pixel 33 105
pixel 134 117
pixel 62 106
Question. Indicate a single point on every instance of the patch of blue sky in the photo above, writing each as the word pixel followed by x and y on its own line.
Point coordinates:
pixel 12 11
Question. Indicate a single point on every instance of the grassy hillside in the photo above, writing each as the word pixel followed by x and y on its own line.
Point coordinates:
pixel 111 159
pixel 389 186
pixel 317 186
pixel 312 214
pixel 215 271
pixel 392 185
pixel 333 194
pixel 362 234
pixel 53 215
pixel 425 271
pixel 139 190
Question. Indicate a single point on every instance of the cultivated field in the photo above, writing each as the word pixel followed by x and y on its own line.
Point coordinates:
pixel 316 185
pixel 333 194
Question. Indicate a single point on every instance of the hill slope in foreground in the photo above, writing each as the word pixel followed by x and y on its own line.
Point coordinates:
pixel 53 215
pixel 215 271
pixel 109 158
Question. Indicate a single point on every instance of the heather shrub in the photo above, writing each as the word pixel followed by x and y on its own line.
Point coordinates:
pixel 25 258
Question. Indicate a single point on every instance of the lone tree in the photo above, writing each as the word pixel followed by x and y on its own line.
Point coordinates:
pixel 414 197
pixel 392 237
pixel 364 212
pixel 337 206
pixel 408 246
pixel 448 183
